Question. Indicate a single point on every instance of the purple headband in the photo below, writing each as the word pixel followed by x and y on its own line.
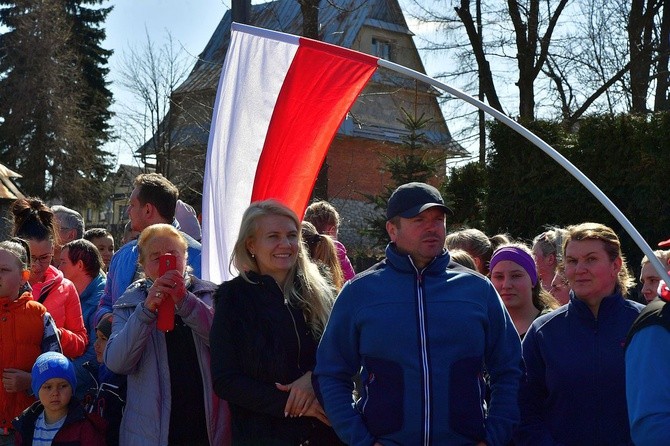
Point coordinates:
pixel 518 256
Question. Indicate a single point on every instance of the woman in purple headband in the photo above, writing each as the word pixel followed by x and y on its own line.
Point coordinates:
pixel 514 275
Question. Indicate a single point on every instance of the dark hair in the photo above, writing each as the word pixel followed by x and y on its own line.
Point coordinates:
pixel 34 220
pixel 477 244
pixel 94 233
pixel 85 251
pixel 155 189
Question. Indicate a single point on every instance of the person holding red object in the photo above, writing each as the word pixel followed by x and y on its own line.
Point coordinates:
pixel 166 404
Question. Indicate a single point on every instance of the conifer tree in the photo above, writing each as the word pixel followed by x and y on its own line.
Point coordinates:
pixel 413 163
pixel 53 115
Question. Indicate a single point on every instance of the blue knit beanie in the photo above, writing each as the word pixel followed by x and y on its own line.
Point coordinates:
pixel 52 365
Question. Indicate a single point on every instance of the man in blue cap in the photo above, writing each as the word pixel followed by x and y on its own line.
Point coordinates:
pixel 421 330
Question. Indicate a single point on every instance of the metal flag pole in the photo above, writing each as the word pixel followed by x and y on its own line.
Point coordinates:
pixel 546 148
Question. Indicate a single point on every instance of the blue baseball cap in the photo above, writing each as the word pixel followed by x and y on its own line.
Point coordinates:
pixel 411 199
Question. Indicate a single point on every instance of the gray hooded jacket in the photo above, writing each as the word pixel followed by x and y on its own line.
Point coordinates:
pixel 137 349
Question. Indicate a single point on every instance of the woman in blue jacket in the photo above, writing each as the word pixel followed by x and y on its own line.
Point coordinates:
pixel 574 392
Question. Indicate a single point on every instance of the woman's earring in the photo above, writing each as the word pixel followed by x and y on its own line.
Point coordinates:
pixel 253 256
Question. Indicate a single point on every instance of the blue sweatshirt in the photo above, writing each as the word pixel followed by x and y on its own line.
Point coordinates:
pixel 575 393
pixel 423 339
pixel 647 386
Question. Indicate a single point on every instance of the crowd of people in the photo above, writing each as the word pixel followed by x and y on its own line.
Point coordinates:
pixel 451 339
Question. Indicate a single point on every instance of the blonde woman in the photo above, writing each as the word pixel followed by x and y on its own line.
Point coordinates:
pixel 548 252
pixel 323 252
pixel 170 398
pixel 267 325
pixel 649 278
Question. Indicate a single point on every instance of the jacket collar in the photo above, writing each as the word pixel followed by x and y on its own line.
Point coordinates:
pixel 608 305
pixel 137 292
pixel 404 263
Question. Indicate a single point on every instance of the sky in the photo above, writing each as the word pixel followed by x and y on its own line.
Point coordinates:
pixel 190 22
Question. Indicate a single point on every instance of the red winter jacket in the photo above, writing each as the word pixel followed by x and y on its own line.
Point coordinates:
pixel 21 334
pixel 62 301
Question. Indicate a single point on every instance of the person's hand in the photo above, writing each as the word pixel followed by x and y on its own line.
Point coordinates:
pixel 172 283
pixel 15 380
pixel 154 298
pixel 301 395
pixel 315 410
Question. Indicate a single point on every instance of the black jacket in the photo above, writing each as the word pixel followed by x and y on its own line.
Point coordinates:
pixel 257 340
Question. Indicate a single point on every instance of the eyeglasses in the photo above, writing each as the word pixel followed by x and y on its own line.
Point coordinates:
pixel 46 258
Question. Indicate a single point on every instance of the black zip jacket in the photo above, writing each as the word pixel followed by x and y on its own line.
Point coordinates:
pixel 259 339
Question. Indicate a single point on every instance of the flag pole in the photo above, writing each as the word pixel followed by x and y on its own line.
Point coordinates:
pixel 546 148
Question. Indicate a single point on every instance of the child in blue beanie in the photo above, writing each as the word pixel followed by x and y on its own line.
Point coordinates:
pixel 57 418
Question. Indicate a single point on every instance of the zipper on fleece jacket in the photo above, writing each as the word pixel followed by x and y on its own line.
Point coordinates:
pixel 423 343
pixel 295 326
pixel 295 329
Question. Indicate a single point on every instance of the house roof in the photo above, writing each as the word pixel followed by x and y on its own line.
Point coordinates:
pixel 8 190
pixel 126 174
pixel 340 22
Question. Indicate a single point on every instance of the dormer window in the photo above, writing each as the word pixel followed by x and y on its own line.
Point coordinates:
pixel 381 48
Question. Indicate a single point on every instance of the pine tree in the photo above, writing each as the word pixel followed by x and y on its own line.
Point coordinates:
pixel 86 40
pixel 52 123
pixel 414 163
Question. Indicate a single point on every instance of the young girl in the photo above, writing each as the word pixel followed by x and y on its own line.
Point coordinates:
pixel 36 223
pixel 27 330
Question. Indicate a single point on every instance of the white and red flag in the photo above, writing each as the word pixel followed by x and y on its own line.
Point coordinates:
pixel 280 100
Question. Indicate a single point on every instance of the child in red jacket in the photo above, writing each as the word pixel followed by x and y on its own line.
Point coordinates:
pixel 57 418
pixel 26 331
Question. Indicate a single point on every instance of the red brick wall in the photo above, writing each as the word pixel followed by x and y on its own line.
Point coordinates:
pixel 355 167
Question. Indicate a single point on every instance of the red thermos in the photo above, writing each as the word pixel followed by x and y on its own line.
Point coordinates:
pixel 165 321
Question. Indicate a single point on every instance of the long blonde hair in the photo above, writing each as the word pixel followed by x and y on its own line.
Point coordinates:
pixel 305 288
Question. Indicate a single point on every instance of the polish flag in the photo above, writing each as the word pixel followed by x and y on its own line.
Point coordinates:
pixel 280 100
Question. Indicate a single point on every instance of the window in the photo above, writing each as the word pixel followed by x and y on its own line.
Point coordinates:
pixel 381 48
pixel 123 213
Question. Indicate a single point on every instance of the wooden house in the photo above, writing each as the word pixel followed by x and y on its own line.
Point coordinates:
pixel 372 128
